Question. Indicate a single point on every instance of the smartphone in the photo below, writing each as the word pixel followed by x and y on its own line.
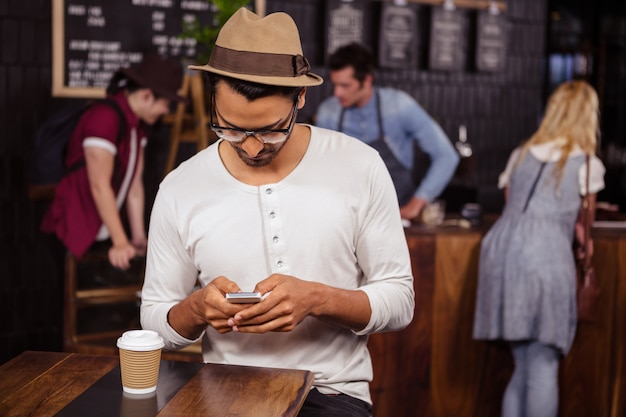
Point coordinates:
pixel 244 297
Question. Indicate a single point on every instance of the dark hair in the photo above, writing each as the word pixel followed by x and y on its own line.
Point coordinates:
pixel 353 55
pixel 253 91
pixel 117 82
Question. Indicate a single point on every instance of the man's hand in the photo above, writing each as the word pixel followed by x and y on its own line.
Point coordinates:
pixel 413 208
pixel 291 300
pixel 207 306
pixel 288 304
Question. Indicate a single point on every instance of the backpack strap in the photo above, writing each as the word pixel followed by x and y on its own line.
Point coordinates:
pixel 121 130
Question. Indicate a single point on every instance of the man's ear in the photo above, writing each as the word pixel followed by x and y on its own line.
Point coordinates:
pixel 368 81
pixel 302 98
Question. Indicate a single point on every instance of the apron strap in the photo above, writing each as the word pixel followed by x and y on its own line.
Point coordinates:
pixel 402 178
pixel 379 118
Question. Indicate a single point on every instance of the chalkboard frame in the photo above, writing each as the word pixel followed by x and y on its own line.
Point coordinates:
pixel 61 86
pixel 59 89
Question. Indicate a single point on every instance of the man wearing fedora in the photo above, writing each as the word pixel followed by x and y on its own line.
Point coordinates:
pixel 306 217
pixel 86 207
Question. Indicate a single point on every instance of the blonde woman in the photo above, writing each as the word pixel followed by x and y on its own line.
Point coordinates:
pixel 527 289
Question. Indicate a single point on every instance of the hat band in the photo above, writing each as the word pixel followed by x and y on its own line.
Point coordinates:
pixel 258 63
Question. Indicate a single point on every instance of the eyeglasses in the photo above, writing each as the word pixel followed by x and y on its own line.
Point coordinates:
pixel 270 136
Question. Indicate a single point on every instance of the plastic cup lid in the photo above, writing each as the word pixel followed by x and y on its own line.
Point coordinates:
pixel 142 340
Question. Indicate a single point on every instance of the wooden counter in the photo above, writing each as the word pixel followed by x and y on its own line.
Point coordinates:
pixel 434 368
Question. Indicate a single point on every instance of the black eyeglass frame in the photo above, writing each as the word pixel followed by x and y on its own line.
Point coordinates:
pixel 256 133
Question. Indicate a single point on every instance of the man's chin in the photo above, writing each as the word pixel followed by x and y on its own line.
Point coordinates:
pixel 346 103
pixel 264 159
pixel 256 162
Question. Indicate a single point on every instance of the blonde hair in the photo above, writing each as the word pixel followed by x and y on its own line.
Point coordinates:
pixel 571 114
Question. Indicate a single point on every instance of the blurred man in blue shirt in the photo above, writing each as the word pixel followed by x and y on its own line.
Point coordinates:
pixel 390 121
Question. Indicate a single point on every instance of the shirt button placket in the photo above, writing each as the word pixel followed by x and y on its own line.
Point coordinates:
pixel 276 243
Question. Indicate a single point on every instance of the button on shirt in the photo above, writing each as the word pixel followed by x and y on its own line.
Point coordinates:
pixel 405 122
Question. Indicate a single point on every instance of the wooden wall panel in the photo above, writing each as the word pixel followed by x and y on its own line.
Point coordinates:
pixel 585 373
pixel 402 359
pixel 454 358
pixel 618 398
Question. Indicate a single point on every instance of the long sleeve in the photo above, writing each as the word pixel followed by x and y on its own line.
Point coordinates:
pixel 407 123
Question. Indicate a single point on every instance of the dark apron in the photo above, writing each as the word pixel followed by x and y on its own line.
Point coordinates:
pixel 402 178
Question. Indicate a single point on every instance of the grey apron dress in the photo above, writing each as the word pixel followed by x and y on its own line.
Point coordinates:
pixel 527 276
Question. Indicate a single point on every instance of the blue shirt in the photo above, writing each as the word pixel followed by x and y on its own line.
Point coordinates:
pixel 404 122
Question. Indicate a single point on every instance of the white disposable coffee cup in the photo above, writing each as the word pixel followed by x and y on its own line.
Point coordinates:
pixel 140 357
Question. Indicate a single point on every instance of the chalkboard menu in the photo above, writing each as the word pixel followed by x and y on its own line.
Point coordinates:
pixel 344 23
pixel 93 38
pixel 398 37
pixel 491 42
pixel 446 40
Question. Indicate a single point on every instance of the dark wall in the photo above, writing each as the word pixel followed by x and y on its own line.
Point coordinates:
pixel 499 111
pixel 30 291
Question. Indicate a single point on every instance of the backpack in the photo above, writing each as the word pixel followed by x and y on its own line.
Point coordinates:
pixel 47 165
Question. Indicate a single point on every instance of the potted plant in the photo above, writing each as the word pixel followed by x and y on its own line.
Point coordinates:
pixel 205 35
pixel 190 120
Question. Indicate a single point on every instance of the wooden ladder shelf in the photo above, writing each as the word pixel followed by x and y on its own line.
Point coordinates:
pixel 190 121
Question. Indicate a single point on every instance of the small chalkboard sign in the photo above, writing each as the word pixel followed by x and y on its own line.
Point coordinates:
pixel 344 23
pixel 93 38
pixel 398 37
pixel 491 42
pixel 446 49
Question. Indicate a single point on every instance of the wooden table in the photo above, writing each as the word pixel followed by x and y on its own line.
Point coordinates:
pixel 69 384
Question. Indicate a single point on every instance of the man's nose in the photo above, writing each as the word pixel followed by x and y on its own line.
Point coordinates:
pixel 252 145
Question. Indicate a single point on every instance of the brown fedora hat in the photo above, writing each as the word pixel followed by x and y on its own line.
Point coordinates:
pixel 262 50
pixel 162 75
